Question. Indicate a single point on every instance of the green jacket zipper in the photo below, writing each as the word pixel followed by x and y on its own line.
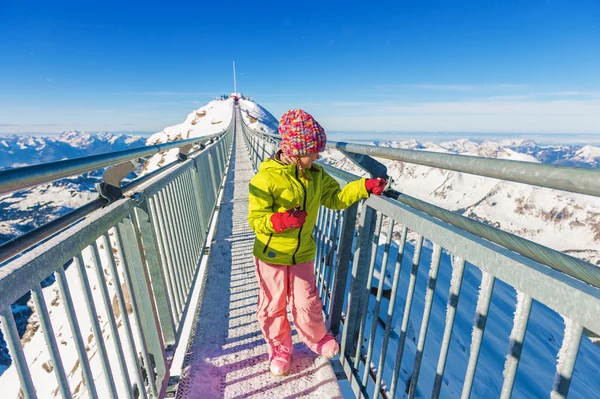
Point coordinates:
pixel 268 242
pixel 303 208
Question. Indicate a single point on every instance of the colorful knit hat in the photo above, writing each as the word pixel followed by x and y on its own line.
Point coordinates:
pixel 301 134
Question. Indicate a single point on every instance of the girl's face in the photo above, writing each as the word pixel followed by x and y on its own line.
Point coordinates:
pixel 306 161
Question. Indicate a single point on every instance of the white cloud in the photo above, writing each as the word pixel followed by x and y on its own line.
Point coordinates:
pixel 355 103
pixel 164 93
pixel 453 87
pixel 558 116
pixel 443 87
pixel 573 94
pixel 562 107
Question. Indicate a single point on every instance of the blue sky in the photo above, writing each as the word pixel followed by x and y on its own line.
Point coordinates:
pixel 526 66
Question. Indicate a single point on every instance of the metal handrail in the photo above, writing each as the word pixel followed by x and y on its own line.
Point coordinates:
pixel 33 237
pixel 557 260
pixel 566 178
pixel 33 175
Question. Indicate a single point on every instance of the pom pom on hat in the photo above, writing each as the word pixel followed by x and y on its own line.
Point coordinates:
pixel 301 134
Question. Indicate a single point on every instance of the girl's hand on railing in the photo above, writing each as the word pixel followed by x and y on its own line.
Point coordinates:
pixel 375 186
pixel 290 219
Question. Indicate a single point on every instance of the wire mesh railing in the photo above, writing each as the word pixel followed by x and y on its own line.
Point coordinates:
pixel 391 277
pixel 123 279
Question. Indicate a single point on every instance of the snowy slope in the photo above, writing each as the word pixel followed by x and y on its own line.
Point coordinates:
pixel 27 209
pixel 209 119
pixel 24 210
pixel 257 117
pixel 34 344
pixel 588 155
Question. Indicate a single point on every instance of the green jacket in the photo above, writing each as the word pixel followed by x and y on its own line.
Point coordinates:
pixel 278 187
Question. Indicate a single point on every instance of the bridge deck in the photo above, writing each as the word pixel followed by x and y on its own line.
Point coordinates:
pixel 227 356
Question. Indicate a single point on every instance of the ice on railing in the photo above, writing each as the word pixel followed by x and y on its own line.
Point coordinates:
pixel 519 315
pixel 566 357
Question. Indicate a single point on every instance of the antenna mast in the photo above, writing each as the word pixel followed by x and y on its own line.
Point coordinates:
pixel 234 83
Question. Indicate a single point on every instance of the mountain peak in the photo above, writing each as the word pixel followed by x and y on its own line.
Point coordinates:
pixel 588 153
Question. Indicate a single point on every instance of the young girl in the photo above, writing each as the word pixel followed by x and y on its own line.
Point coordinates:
pixel 285 196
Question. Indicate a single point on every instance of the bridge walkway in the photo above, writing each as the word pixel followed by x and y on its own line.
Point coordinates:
pixel 227 356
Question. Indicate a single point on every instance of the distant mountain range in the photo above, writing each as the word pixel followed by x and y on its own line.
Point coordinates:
pixel 24 210
pixel 19 150
pixel 565 155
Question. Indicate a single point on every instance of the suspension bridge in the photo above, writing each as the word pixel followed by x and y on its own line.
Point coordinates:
pixel 156 281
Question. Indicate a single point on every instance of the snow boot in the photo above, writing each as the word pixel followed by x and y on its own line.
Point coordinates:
pixel 327 346
pixel 280 358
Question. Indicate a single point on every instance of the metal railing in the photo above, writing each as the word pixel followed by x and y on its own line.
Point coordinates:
pixel 25 177
pixel 124 275
pixel 357 275
pixel 34 175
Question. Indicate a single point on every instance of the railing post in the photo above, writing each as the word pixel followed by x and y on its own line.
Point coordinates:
pixel 156 271
pixel 251 147
pixel 263 150
pixel 340 271
pixel 200 195
pixel 213 174
pixel 256 147
pixel 206 186
pixel 11 335
pixel 197 197
pixel 360 273
pixel 220 159
pixel 135 254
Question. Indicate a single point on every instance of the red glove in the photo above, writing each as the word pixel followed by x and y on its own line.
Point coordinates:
pixel 375 186
pixel 290 219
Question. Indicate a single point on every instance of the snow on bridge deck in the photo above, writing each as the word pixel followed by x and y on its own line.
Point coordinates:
pixel 227 356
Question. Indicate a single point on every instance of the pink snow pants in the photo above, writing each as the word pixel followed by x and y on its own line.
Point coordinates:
pixel 296 285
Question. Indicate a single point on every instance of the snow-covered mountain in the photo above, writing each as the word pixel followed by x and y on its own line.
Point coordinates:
pixel 557 154
pixel 19 150
pixel 24 210
pixel 27 209
pixel 212 118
